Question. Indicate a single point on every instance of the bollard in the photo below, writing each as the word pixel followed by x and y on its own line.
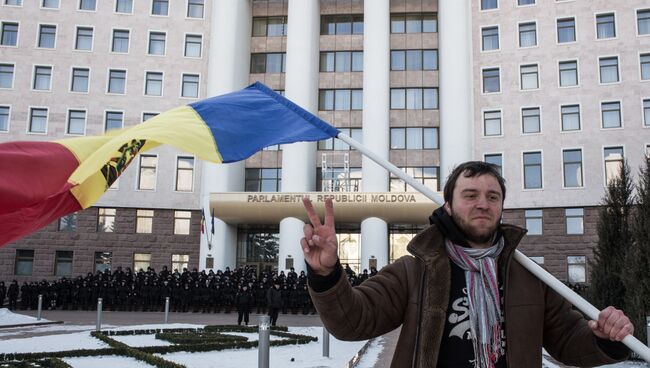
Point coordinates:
pixel 166 310
pixel 326 343
pixel 264 342
pixel 99 314
pixel 40 307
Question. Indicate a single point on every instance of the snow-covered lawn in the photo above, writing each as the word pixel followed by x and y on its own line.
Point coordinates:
pixel 8 318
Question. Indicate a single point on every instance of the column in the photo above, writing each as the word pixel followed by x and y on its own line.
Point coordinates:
pixel 301 87
pixel 228 67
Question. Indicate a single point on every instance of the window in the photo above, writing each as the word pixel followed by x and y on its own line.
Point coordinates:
pixel 491 123
pixel 340 99
pixel 644 60
pixel 537 259
pixel 24 262
pixel 46 36
pixel 116 81
pixel 153 84
pixel 148 115
pixel 530 120
pixel 14 2
pixel 103 261
pixel 576 269
pixel 157 43
pixel 414 138
pixel 141 261
pixel 339 179
pixel 147 174
pixel 427 175
pixel 574 221
pixel 490 37
pixel 180 261
pixel 568 73
pixel 528 34
pixel 263 180
pixel 643 21
pixel 414 98
pixel 42 78
pixel 525 2
pixel 38 120
pixel 87 5
pixel 193 46
pixel 333 144
pixel 489 4
pixel 529 76
pixel 491 81
pixel 120 40
pixel 160 7
pixel 269 26
pixel 566 30
pixel 63 263
pixel 195 8
pixel 79 81
pixel 84 39
pixel 532 170
pixel 608 69
pixel 495 159
pixel 6 75
pixel 190 86
pixel 341 61
pixel 533 221
pixel 184 174
pixel 76 122
pixel 9 36
pixel 413 23
pixel 572 165
pixel 613 163
pixel 114 120
pixel 68 223
pixel 646 112
pixel 144 221
pixel 182 222
pixel 124 6
pixel 413 60
pixel 605 26
pixel 570 117
pixel 611 114
pixel 4 118
pixel 106 220
pixel 268 63
pixel 341 24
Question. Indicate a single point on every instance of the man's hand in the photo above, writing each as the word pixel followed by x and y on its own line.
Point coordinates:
pixel 612 324
pixel 319 245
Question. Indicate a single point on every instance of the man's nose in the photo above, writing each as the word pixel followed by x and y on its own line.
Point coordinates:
pixel 482 202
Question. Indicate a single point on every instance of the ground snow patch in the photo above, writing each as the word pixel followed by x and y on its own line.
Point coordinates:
pixel 106 361
pixel 73 341
pixel 8 318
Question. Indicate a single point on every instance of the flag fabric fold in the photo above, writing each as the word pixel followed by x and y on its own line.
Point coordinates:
pixel 42 181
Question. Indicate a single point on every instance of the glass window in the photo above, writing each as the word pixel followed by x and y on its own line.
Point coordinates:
pixel 106 220
pixel 124 6
pixel 430 136
pixel 157 43
pixel 644 60
pixel 326 99
pixel 429 23
pixel 413 98
pixel 114 120
pixel 46 36
pixel 530 120
pixel 495 159
pixel 613 163
pixel 608 69
pixel 147 175
pixel 491 123
pixel 182 221
pixel 525 2
pixel 568 73
pixel 490 36
pixel 357 61
pixel 491 81
pixel 79 81
pixel 566 30
pixel 120 40
pixel 24 262
pixel 413 23
pixel 399 237
pixel 576 269
pixel 430 59
pixel 38 120
pixel 605 26
pixel 532 170
pixel 414 138
pixel 190 86
pixel 430 97
pixel 153 84
pixel 398 60
pixel 611 114
pixel 193 45
pixel 9 36
pixel 269 26
pixel 643 21
pixel 42 78
pixel 87 5
pixel 275 63
pixel 195 8
pixel 263 180
pixel 160 7
pixel 533 221
pixel 63 263
pixel 574 221
pixel 116 81
pixel 103 261
pixel 144 221
pixel 148 115
pixel 529 76
pixel 84 39
pixel 537 259
pixel 570 117
pixel 489 4
pixel 14 2
pixel 342 99
pixel 646 112
pixel 68 223
pixel 341 24
pixel 76 122
pixel 4 118
pixel 427 175
pixel 343 61
pixel 397 23
pixel 141 261
pixel 180 262
pixel 572 164
pixel 184 174
pixel 528 34
pixel 398 98
pixel 6 75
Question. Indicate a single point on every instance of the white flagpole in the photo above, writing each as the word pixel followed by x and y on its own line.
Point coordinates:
pixel 592 312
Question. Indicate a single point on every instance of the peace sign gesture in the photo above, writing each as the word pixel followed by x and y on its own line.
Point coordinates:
pixel 319 246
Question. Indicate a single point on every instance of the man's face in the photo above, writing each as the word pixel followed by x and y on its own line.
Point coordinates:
pixel 476 208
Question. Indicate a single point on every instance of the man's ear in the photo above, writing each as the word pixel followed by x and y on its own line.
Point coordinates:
pixel 447 207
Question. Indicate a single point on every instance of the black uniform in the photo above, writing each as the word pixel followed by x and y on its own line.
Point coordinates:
pixel 243 300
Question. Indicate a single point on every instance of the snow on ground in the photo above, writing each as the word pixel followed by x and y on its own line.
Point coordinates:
pixel 370 358
pixel 106 361
pixel 72 341
pixel 8 318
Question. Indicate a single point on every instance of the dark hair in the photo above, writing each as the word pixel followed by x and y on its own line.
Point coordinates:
pixel 472 169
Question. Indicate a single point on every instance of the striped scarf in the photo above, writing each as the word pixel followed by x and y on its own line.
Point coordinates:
pixel 484 299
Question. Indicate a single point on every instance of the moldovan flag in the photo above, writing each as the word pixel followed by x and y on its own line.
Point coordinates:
pixel 42 181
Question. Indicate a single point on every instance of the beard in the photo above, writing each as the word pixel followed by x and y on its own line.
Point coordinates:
pixel 473 234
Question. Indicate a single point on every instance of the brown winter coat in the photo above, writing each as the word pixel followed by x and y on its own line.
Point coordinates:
pixel 414 292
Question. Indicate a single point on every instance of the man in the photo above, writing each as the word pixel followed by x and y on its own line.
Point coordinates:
pixel 505 319
pixel 274 301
